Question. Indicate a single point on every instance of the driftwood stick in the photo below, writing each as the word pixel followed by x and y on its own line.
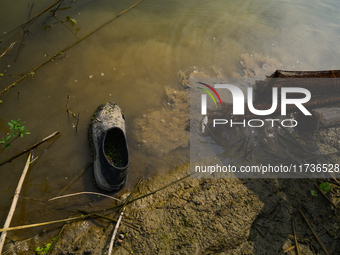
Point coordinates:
pixel 324 195
pixel 115 232
pixel 30 148
pixel 14 202
pixel 295 239
pixel 74 179
pixel 315 235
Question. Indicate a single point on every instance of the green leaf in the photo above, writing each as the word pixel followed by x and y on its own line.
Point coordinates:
pixel 314 193
pixel 325 187
pixel 11 124
pixel 73 21
pixel 1 74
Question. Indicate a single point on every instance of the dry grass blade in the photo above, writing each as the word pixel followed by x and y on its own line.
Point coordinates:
pixel 315 235
pixel 85 192
pixel 45 223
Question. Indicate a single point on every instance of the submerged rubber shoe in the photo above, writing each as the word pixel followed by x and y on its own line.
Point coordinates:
pixel 108 143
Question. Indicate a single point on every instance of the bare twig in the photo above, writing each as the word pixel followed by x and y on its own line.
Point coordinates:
pixel 55 240
pixel 295 239
pixel 80 193
pixel 324 195
pixel 77 122
pixel 329 232
pixel 30 148
pixel 14 202
pixel 10 47
pixel 289 249
pixel 23 33
pixel 67 110
pixel 259 230
pixel 115 232
pixel 315 235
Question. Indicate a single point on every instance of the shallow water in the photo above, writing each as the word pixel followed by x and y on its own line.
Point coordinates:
pixel 131 62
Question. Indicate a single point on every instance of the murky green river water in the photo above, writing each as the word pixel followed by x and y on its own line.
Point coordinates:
pixel 135 61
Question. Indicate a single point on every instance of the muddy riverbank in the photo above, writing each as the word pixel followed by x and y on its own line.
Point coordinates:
pixel 209 216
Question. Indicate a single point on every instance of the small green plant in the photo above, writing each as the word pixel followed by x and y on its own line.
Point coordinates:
pixel 42 251
pixel 16 130
pixel 73 21
pixel 325 187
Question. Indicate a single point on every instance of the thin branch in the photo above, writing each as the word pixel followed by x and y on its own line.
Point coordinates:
pixel 324 195
pixel 295 238
pixel 315 235
pixel 30 148
pixel 10 47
